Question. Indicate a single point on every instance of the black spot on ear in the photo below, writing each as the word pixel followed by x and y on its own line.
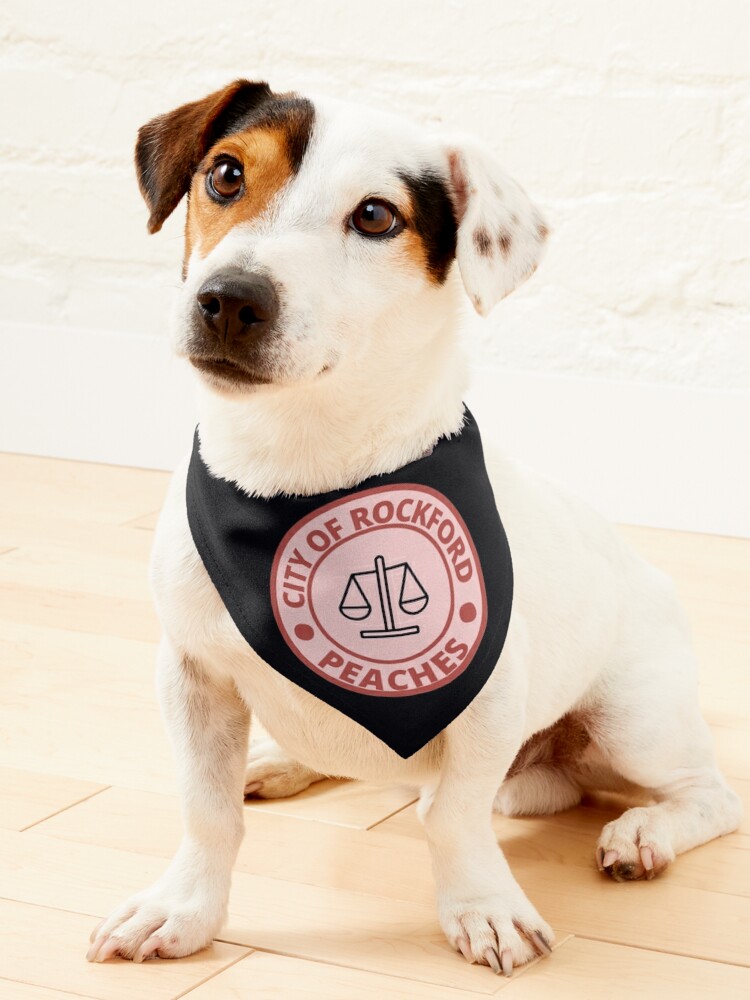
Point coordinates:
pixel 504 241
pixel 433 219
pixel 482 242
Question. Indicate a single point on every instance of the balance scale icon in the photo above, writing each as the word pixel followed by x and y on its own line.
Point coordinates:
pixel 380 583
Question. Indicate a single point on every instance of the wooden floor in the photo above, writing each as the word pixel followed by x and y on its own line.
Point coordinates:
pixel 332 895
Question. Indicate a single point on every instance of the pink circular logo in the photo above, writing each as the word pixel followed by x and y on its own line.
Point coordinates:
pixel 381 591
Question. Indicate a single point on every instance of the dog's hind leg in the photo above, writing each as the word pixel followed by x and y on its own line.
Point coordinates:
pixel 541 780
pixel 651 732
pixel 272 774
pixel 540 790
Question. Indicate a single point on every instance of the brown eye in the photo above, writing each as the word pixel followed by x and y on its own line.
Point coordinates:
pixel 374 217
pixel 225 180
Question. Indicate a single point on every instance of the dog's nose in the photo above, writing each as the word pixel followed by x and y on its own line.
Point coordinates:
pixel 234 305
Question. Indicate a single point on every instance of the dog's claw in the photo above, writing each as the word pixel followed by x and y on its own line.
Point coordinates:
pixel 647 860
pixel 506 963
pixel 149 949
pixel 541 943
pixel 107 950
pixel 95 933
pixel 94 949
pixel 493 961
pixel 609 858
pixel 463 947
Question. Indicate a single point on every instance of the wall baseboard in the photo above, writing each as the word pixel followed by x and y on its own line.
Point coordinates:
pixel 651 454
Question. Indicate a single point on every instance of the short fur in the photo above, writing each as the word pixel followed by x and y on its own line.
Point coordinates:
pixel 596 686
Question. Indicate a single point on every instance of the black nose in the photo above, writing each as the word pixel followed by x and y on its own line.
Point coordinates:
pixel 234 305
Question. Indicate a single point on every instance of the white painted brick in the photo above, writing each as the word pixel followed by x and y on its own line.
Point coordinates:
pixel 629 123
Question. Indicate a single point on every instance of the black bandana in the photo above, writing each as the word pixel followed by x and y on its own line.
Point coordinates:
pixel 389 601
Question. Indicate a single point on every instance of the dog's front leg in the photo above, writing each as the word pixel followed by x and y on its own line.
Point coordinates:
pixel 484 912
pixel 183 910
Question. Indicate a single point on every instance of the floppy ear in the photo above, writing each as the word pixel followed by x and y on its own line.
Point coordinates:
pixel 500 232
pixel 170 147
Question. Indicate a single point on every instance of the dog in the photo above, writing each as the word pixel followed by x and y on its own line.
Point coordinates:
pixel 326 246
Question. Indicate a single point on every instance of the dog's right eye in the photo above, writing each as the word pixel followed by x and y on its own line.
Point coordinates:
pixel 224 180
pixel 375 217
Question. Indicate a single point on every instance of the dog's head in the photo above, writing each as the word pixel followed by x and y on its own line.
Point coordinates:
pixel 312 225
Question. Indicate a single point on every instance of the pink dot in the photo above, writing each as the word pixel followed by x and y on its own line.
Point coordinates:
pixel 467 612
pixel 304 631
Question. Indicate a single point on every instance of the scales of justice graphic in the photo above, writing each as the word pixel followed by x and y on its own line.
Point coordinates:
pixel 379 584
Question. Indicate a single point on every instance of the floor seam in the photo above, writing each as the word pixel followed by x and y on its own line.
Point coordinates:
pixel 219 972
pixel 71 805
pixel 665 951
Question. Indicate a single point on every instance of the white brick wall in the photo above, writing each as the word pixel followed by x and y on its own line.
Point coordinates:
pixel 628 121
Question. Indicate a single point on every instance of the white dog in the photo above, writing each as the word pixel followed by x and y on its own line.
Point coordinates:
pixel 320 308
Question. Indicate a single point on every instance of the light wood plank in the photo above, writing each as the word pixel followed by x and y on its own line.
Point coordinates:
pixel 732 751
pixel 584 968
pixel 27 798
pixel 45 948
pixel 26 991
pixel 147 522
pixel 277 977
pixel 79 611
pixel 357 804
pixel 70 703
pixel 707 564
pixel 21 528
pixel 82 491
pixel 51 566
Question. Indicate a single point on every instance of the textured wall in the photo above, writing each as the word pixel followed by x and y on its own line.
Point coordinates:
pixel 628 122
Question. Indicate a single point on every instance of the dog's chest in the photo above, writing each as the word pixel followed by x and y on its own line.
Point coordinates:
pixel 195 618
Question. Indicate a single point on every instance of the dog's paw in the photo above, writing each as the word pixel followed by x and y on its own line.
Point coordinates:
pixel 272 774
pixel 492 931
pixel 153 925
pixel 636 845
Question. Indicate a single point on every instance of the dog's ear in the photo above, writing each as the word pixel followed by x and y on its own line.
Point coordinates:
pixel 170 147
pixel 501 234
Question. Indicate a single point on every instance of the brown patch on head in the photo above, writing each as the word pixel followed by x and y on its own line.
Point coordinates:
pixel 264 157
pixel 542 231
pixel 504 241
pixel 171 148
pixel 482 242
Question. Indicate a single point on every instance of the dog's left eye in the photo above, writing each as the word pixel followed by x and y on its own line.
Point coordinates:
pixel 374 217
pixel 224 182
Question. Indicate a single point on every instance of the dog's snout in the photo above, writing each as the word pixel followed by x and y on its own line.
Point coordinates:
pixel 234 305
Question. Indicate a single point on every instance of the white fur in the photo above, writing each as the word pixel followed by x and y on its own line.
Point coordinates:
pixel 594 629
